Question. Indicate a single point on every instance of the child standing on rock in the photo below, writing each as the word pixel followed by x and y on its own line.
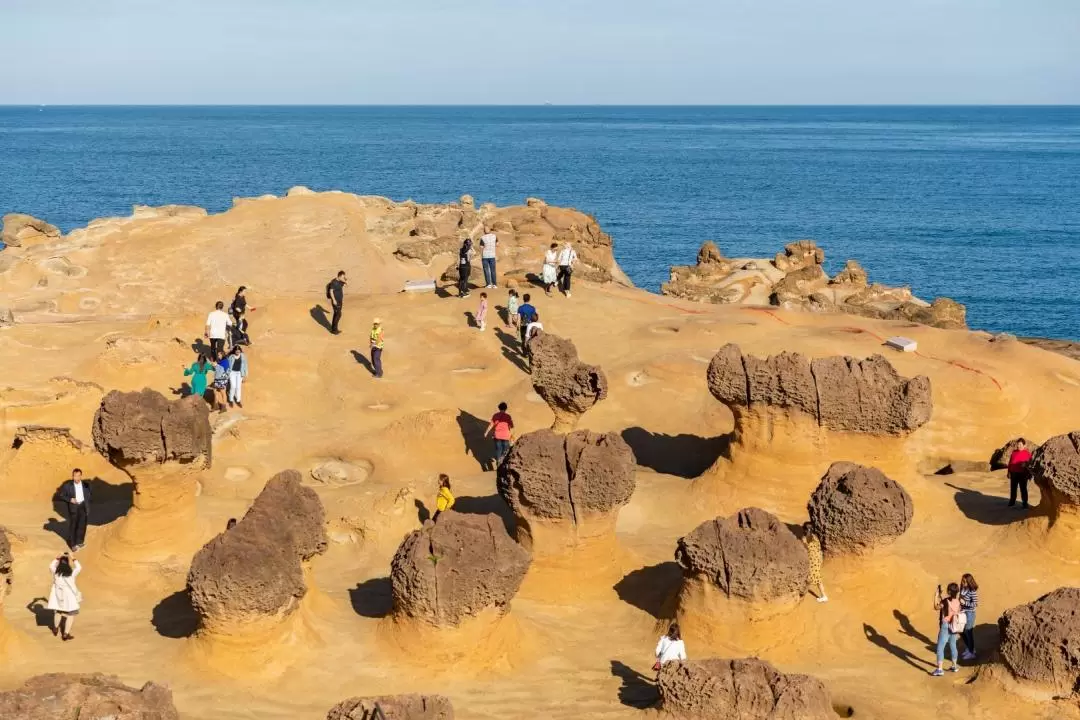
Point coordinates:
pixel 481 312
pixel 512 319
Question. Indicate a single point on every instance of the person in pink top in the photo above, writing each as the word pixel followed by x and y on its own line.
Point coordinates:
pixel 481 312
pixel 1019 473
pixel 502 429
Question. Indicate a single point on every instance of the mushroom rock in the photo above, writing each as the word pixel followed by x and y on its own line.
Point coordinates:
pixel 6 562
pixel 857 508
pixel 798 285
pixel 1038 644
pixel 86 696
pixel 798 255
pixel 559 484
pixel 163 446
pixel 853 274
pixel 742 689
pixel 1055 467
pixel 467 202
pixel 455 569
pixel 567 385
pixel 394 707
pixel 709 254
pixel 253 575
pixel 24 230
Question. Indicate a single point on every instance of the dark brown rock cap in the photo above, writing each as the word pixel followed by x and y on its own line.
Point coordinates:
pixel 564 477
pixel 1055 466
pixel 394 707
pixel 256 568
pixel 742 689
pixel 856 508
pixel 561 379
pixel 1039 641
pixel 86 696
pixel 839 393
pixel 750 555
pixel 454 569
pixel 7 559
pixel 145 427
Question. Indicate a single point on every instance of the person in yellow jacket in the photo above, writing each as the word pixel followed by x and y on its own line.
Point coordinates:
pixel 377 344
pixel 445 500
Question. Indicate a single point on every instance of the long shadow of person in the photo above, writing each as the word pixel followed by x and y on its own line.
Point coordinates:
pixel 873 636
pixel 637 690
pixel 422 513
pixel 199 347
pixel 362 359
pixel 988 509
pixel 908 629
pixel 476 444
pixel 42 615
pixel 470 319
pixel 318 314
pixel 510 350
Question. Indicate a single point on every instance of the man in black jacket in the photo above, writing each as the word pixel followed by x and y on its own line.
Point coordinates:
pixel 335 293
pixel 76 494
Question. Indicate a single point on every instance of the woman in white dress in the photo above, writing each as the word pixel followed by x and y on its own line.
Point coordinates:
pixel 64 598
pixel 551 265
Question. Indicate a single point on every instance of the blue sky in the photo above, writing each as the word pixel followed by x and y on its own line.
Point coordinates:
pixel 559 51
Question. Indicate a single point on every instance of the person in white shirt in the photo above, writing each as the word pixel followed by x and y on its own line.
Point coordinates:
pixel 534 328
pixel 670 648
pixel 488 243
pixel 548 274
pixel 567 260
pixel 217 327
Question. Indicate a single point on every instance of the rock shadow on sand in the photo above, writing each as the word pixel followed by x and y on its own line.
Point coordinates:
pixel 637 690
pixel 991 509
pixel 684 455
pixel 372 598
pixel 108 503
pixel 174 617
pixel 652 588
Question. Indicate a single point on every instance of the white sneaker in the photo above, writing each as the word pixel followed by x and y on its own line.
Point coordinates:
pixel 567 293
pixel 823 598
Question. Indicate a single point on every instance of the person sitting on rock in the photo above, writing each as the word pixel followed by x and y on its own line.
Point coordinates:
pixel 445 500
pixel 951 622
pixel 1019 474
pixel 64 597
pixel 670 648
pixel 817 559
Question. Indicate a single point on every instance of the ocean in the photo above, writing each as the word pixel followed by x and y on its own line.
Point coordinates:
pixel 981 204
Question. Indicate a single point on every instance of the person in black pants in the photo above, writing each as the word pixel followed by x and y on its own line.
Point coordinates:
pixel 465 255
pixel 76 494
pixel 335 293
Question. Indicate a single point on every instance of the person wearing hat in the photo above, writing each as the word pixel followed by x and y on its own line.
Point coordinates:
pixel 377 344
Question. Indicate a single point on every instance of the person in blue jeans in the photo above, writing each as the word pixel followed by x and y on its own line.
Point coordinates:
pixel 949 626
pixel 969 600
pixel 488 242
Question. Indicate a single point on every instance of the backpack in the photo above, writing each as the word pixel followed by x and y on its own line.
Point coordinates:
pixel 959 622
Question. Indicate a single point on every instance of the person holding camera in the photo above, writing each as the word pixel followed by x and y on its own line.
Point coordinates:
pixel 951 622
pixel 64 597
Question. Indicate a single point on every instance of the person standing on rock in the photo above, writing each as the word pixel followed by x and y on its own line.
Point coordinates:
pixel 76 495
pixel 525 313
pixel 481 312
pixel 335 293
pixel 567 261
pixel 239 307
pixel 549 272
pixel 512 319
pixel 969 600
pixel 217 327
pixel 1019 474
pixel 221 381
pixel 445 500
pixel 951 622
pixel 64 597
pixel 238 372
pixel 501 429
pixel 377 345
pixel 670 648
pixel 465 256
pixel 817 559
pixel 198 372
pixel 488 242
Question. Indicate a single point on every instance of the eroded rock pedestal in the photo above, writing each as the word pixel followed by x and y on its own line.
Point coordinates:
pixel 743 689
pixel 6 578
pixel 565 489
pixel 163 446
pixel 1039 644
pixel 248 582
pixel 394 707
pixel 567 385
pixel 95 696
pixel 857 508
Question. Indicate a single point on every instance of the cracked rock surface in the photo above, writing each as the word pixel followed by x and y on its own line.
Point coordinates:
pixel 839 393
pixel 856 508
pixel 454 569
pixel 132 428
pixel 567 385
pixel 394 707
pixel 1055 467
pixel 94 696
pixel 1039 641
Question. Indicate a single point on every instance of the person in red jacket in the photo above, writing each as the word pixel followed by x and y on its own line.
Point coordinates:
pixel 1019 474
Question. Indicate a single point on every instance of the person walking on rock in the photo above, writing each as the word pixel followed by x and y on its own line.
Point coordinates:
pixel 239 308
pixel 512 319
pixel 951 622
pixel 817 559
pixel 670 648
pixel 198 372
pixel 217 327
pixel 221 381
pixel 549 272
pixel 76 496
pixel 465 256
pixel 567 261
pixel 488 242
pixel 969 600
pixel 501 428
pixel 525 313
pixel 1019 474
pixel 335 293
pixel 64 597
pixel 481 312
pixel 377 345
pixel 445 500
pixel 238 372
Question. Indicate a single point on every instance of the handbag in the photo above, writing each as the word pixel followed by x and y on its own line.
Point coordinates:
pixel 74 590
pixel 656 666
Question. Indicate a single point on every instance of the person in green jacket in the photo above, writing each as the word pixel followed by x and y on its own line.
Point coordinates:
pixel 199 369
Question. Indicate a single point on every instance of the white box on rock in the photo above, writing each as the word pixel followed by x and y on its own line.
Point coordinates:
pixel 419 286
pixel 902 344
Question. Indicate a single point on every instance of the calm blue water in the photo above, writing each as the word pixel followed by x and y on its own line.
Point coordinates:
pixel 981 204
